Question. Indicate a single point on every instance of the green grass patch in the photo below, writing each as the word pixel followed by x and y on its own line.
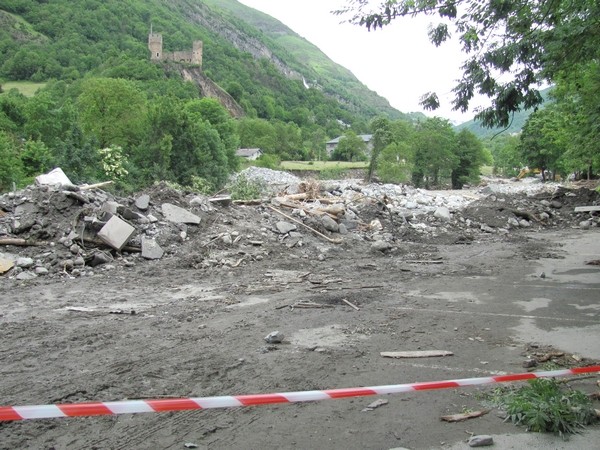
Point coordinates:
pixel 545 405
pixel 319 166
pixel 27 88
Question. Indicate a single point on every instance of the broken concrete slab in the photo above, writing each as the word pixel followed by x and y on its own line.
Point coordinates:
pixel 110 207
pixel 176 214
pixel 151 249
pixel 116 233
pixel 55 177
pixel 223 200
pixel 142 202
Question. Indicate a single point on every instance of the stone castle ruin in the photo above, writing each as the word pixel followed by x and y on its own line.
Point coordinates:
pixel 155 44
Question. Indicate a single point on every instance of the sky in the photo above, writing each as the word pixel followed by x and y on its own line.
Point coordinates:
pixel 398 62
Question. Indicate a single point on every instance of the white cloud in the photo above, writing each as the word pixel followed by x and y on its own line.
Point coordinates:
pixel 398 62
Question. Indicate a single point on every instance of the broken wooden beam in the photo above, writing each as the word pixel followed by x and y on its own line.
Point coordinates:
pixel 417 354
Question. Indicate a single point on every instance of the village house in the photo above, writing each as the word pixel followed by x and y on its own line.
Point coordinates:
pixel 250 154
pixel 332 144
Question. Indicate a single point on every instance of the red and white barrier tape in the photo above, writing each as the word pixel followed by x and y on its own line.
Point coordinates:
pixel 8 413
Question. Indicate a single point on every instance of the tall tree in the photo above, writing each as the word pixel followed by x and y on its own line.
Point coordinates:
pixel 382 137
pixel 113 110
pixel 434 147
pixel 510 45
pixel 542 140
pixel 351 147
pixel 471 156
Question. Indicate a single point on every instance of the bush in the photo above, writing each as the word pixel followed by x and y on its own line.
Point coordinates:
pixel 244 189
pixel 268 162
pixel 543 405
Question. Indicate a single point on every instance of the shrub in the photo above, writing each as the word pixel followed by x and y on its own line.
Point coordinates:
pixel 244 189
pixel 543 405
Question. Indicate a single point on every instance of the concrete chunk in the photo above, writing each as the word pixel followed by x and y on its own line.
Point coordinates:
pixel 116 233
pixel 176 214
pixel 151 249
pixel 142 202
pixel 55 177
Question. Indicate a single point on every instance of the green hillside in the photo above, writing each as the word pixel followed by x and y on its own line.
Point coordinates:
pixel 243 47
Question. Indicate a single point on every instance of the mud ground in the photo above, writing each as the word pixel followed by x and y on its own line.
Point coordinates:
pixel 174 328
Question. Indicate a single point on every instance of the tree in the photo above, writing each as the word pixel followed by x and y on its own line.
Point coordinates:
pixel 542 140
pixel 350 148
pixel 211 110
pixel 382 137
pixel 511 45
pixel 576 95
pixel 506 156
pixel 471 156
pixel 113 110
pixel 10 164
pixel 395 163
pixel 434 147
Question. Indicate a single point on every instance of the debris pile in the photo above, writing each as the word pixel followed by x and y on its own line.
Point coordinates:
pixel 58 229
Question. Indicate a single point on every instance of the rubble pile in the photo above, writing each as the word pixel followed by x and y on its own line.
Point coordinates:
pixel 56 229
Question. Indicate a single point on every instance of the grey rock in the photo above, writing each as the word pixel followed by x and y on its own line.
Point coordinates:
pixel 330 224
pixel 524 223
pixel 110 207
pixel 545 203
pixel 151 249
pixel 25 263
pixel 74 249
pixel 226 239
pixel 585 224
pixel 285 227
pixel 274 337
pixel 41 271
pixel 487 229
pixel 350 224
pixel 24 276
pixel 544 216
pixel 556 204
pixel 152 218
pixel 380 246
pixel 483 440
pixel 175 214
pixel 128 214
pixel 142 202
pixel 343 229
pixel 79 262
pixel 98 259
pixel 442 213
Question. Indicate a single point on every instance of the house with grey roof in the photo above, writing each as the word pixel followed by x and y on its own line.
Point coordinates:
pixel 332 144
pixel 249 153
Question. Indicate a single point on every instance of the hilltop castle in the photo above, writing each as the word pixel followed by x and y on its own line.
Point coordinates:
pixel 155 44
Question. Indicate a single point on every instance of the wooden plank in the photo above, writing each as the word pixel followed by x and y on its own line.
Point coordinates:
pixel 417 354
pixel 587 208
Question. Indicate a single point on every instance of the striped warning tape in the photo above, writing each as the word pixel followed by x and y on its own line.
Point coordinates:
pixel 9 413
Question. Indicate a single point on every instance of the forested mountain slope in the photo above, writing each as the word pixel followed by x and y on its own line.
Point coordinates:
pixel 261 62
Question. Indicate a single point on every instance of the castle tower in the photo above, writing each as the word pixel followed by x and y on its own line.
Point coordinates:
pixel 197 53
pixel 155 45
